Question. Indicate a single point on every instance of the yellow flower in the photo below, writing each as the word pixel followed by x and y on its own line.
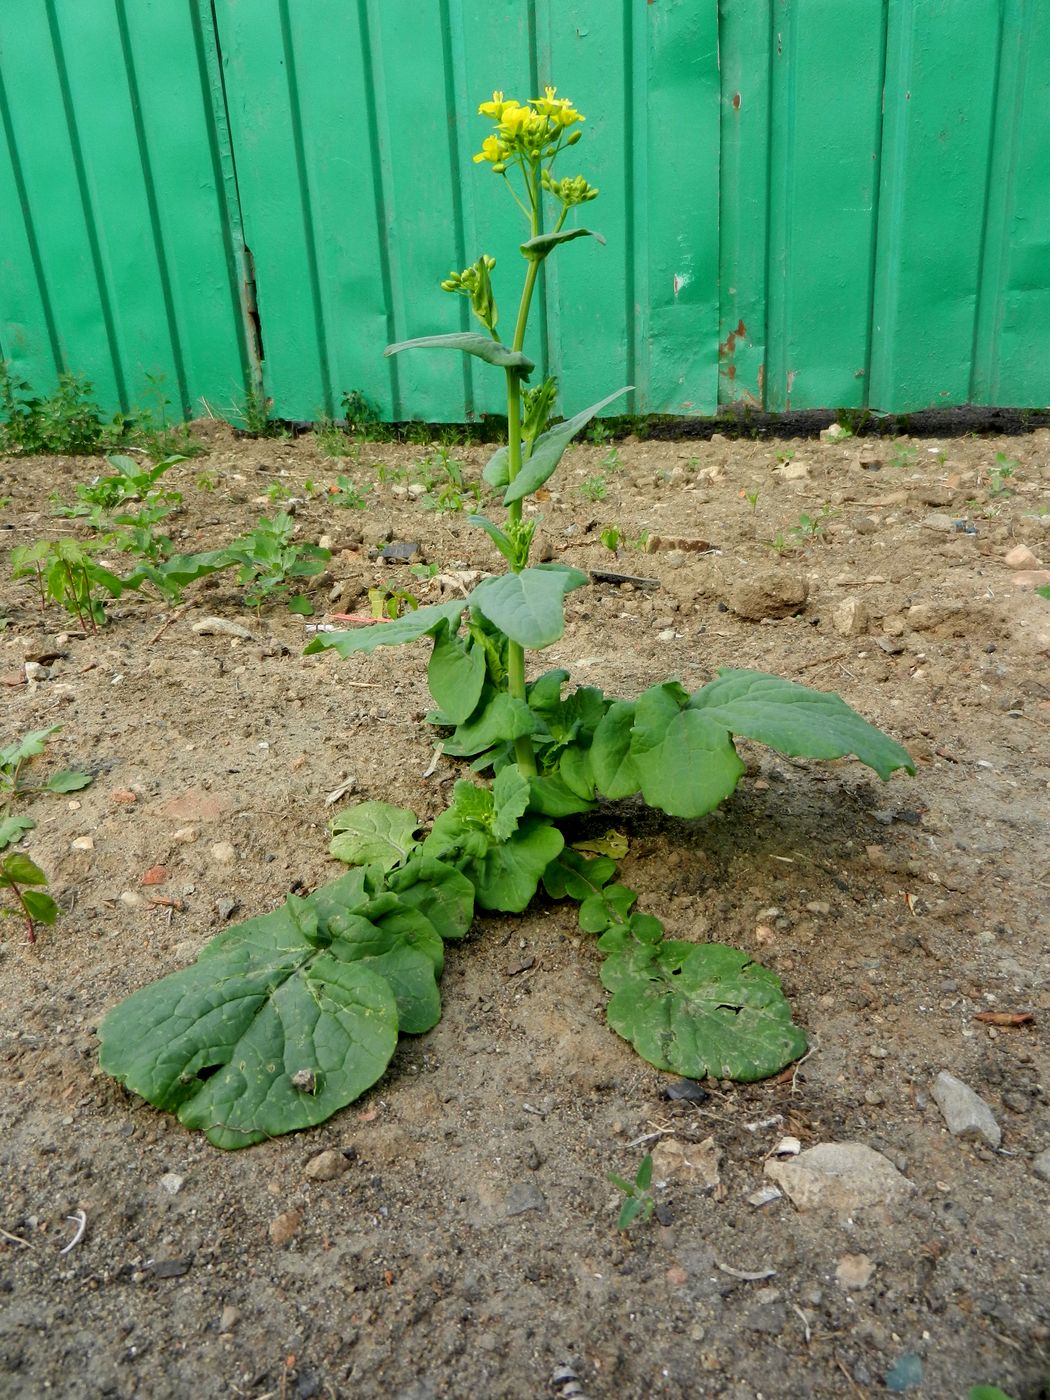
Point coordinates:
pixel 492 149
pixel 496 107
pixel 559 109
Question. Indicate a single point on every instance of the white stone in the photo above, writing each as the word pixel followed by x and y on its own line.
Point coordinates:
pixel 966 1113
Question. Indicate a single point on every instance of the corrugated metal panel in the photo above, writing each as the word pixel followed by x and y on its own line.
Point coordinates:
pixel 807 203
pixel 364 118
pixel 117 244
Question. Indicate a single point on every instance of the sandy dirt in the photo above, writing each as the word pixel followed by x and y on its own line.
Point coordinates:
pixel 470 1248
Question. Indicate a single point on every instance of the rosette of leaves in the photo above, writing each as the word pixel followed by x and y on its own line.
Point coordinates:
pixel 286 1018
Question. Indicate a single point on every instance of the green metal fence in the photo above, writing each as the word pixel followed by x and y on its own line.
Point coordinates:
pixel 808 203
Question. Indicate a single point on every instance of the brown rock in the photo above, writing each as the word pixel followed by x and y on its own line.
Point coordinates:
pixel 284 1227
pixel 195 805
pixel 326 1166
pixel 124 797
pixel 850 618
pixel 1021 557
pixel 694 1162
pixel 769 593
pixel 854 1271
pixel 155 875
pixel 839 1176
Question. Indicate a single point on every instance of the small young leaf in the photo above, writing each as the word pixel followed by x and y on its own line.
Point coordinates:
pixel 501 720
pixel 609 907
pixel 543 243
pixel 17 869
pixel 12 829
pixel 576 876
pixel 300 604
pixel 68 781
pixel 644 1179
pixel 629 1211
pixel 498 538
pixel 700 1009
pixel 510 797
pixel 374 833
pixel 41 908
pixel 471 343
pixel 549 450
pixel 28 746
pixel 529 606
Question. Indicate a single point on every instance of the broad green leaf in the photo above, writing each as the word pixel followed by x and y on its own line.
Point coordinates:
pixel 510 796
pixel 68 781
pixel 41 907
pixel 17 869
pixel 543 243
pixel 544 693
pixel 549 449
pixel 496 471
pixel 576 772
pixel 553 797
pixel 374 833
pixel 700 1009
pixel 691 769
pixel 403 947
pixel 268 1031
pixel 471 343
pixel 615 772
pixel 502 720
pixel 987 1392
pixel 182 569
pixel 444 895
pixel 528 607
pixel 456 674
pixel 419 623
pixel 506 877
pixel 797 721
pixel 12 829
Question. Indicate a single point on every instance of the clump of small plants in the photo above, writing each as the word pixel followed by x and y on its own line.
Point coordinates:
pixel 21 877
pixel 286 1018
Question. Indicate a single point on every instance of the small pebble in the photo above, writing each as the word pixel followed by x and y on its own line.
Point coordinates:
pixel 83 843
pixel 326 1166
pixel 223 853
pixel 284 1227
pixel 172 1183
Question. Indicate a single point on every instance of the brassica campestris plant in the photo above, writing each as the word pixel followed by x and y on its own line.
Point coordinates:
pixel 286 1018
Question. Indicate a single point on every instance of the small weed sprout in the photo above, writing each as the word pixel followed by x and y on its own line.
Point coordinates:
pixel 347 495
pixel 639 1203
pixel 611 537
pixel 902 457
pixel 595 488
pixel 1004 469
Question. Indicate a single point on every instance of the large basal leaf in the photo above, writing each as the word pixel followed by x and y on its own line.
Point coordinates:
pixel 471 343
pixel 281 1021
pixel 797 721
pixel 374 833
pixel 700 1009
pixel 456 674
pixel 549 449
pixel 419 623
pixel 528 607
pixel 543 243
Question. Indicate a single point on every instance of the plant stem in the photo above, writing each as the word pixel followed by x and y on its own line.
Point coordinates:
pixel 31 936
pixel 523 750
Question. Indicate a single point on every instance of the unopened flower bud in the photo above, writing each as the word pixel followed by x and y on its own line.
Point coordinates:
pixel 499 168
pixel 574 137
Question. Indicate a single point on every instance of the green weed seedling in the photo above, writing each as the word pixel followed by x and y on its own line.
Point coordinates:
pixel 207 481
pixel 66 422
pixel 18 874
pixel 270 559
pixel 611 461
pixel 811 527
pixel 902 457
pixel 446 490
pixel 364 419
pixel 346 495
pixel 611 537
pixel 129 481
pixel 595 488
pixel 1005 468
pixel 639 1203
pixel 388 601
pixel 287 1018
pixel 67 574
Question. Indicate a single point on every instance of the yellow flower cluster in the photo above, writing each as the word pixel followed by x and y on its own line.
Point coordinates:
pixel 530 130
pixel 572 190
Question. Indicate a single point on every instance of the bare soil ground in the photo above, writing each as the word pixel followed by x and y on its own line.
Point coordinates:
pixel 470 1248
